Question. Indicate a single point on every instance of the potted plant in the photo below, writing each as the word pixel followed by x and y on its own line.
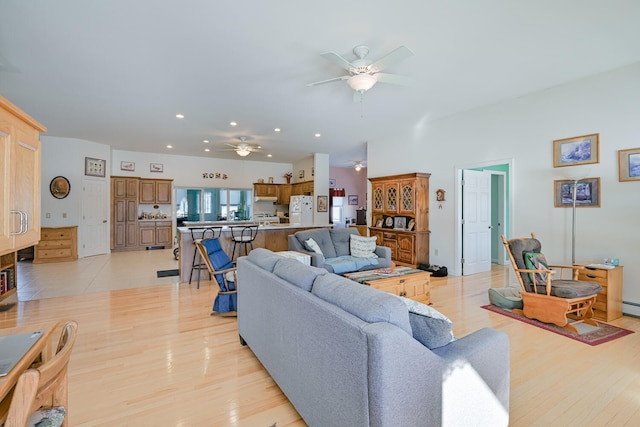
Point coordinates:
pixel 288 176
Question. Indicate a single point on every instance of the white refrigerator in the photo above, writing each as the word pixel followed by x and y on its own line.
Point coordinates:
pixel 301 210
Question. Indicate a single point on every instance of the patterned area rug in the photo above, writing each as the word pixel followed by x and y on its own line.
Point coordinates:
pixel 588 334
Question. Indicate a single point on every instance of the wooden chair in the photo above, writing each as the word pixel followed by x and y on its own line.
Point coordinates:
pixel 547 300
pixel 223 271
pixel 43 391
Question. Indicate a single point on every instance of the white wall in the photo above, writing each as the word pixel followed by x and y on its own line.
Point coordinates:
pixel 523 130
pixel 66 157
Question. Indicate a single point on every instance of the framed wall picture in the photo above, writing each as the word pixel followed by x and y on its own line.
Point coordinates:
pixel 323 203
pixel 95 167
pixel 127 166
pixel 59 187
pixel 353 199
pixel 156 167
pixel 587 193
pixel 629 165
pixel 579 150
pixel 332 183
pixel 301 173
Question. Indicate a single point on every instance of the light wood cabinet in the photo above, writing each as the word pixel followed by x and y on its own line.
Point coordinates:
pixel 57 244
pixel 20 157
pixel 302 188
pixel 155 191
pixel 406 197
pixel 265 190
pixel 284 194
pixel 608 304
pixel 124 213
pixel 8 276
pixel 154 233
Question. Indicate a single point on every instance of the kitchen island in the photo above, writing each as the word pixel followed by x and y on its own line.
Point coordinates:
pixel 273 237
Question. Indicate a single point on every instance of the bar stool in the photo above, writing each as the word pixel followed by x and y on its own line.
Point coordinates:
pixel 196 262
pixel 243 235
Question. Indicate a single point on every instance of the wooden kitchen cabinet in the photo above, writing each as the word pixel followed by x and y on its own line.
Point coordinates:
pixel 265 190
pixel 405 197
pixel 155 191
pixel 124 213
pixel 8 276
pixel 20 157
pixel 284 194
pixel 155 233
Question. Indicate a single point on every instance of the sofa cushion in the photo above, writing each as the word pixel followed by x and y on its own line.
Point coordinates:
pixel 296 273
pixel 322 238
pixel 341 240
pixel 312 246
pixel 264 258
pixel 363 247
pixel 428 326
pixel 364 302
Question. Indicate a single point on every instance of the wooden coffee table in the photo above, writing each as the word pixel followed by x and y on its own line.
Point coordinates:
pixel 403 281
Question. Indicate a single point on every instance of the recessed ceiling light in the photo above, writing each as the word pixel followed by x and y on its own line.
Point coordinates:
pixel 259 146
pixel 207 150
pixel 276 130
pixel 180 116
pixel 169 146
pixel 317 135
pixel 269 155
pixel 233 124
pixel 206 141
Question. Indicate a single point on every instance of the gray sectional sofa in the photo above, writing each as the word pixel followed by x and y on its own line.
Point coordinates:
pixel 344 354
pixel 335 247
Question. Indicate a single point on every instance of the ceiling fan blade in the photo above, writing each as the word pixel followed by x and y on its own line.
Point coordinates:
pixel 394 79
pixel 335 79
pixel 392 58
pixel 339 60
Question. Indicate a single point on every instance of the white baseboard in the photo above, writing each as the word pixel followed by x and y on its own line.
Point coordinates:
pixel 631 308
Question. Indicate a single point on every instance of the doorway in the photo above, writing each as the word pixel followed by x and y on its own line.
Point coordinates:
pixel 95 213
pixel 477 249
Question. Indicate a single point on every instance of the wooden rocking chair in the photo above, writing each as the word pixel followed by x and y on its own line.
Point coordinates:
pixel 550 301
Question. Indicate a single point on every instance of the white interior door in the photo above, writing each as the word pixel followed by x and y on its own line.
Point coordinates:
pixel 476 225
pixel 95 214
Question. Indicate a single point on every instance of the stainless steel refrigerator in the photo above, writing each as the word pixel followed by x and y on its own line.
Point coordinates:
pixel 301 210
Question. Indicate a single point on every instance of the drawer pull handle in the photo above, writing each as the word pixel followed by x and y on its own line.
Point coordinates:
pixel 590 276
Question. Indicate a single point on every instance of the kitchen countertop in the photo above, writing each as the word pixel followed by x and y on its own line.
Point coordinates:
pixel 227 226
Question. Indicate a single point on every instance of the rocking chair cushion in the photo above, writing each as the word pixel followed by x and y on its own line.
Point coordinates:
pixel 574 288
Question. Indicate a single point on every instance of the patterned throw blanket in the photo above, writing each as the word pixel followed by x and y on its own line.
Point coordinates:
pixel 347 263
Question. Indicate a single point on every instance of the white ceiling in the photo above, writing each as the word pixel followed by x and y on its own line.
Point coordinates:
pixel 118 71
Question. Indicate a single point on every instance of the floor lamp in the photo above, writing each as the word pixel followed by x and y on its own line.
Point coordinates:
pixel 576 177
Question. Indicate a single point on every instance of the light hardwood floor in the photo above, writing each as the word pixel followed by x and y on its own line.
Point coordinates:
pixel 150 354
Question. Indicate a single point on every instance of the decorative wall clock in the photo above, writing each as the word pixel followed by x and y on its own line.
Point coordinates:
pixel 59 187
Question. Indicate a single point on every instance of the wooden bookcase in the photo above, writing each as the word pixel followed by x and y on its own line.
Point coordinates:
pixel 400 216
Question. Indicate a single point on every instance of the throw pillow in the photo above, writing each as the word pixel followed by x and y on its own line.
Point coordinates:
pixel 362 247
pixel 536 261
pixel 428 326
pixel 312 245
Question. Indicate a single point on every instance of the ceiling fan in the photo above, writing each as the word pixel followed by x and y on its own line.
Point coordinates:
pixel 243 148
pixel 364 73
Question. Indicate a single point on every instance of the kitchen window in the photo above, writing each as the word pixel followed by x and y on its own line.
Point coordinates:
pixel 213 204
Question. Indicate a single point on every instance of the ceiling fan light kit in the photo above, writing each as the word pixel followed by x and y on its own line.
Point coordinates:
pixel 362 82
pixel 363 73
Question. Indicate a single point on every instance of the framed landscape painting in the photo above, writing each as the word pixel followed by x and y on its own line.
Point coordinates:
pixel 579 150
pixel 587 193
pixel 629 164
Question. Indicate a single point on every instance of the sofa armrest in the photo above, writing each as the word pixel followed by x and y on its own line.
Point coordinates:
pixel 383 252
pixel 317 260
pixel 483 354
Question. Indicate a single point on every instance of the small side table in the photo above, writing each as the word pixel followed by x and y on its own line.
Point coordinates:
pixel 303 258
pixel 608 304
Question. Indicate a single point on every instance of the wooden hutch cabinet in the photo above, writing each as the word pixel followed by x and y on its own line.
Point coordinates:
pixel 400 216
pixel 124 213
